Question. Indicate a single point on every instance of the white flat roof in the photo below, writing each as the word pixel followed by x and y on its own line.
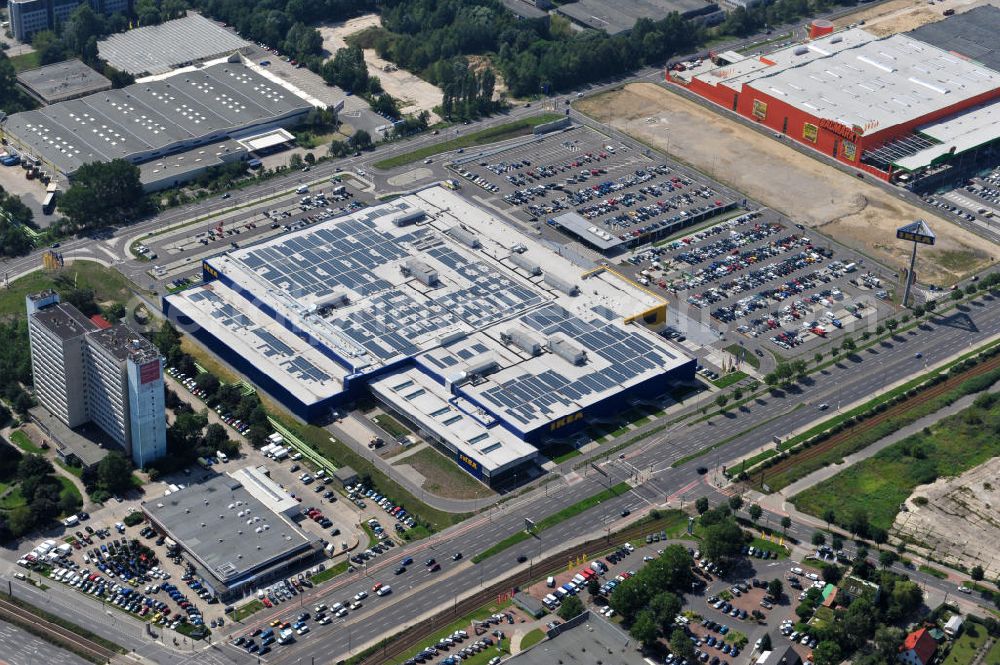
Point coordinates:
pixel 735 75
pixel 959 133
pixel 454 421
pixel 878 84
pixel 265 490
pixel 303 370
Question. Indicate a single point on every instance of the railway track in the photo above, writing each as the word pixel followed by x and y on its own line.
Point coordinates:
pixel 409 638
pixel 20 617
pixel 891 412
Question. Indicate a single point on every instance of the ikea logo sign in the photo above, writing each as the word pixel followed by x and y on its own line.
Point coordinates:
pixel 209 269
pixel 562 422
pixel 469 462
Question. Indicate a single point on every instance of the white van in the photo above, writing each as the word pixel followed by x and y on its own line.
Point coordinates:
pixel 303 189
pixel 550 582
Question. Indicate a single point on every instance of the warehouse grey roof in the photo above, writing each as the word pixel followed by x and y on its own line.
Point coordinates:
pixel 580 643
pixel 147 120
pixel 955 135
pixel 155 49
pixel 615 16
pixel 972 34
pixel 228 531
pixel 61 81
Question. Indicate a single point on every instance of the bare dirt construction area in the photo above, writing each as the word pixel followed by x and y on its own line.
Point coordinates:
pixel 897 16
pixel 959 523
pixel 415 93
pixel 860 215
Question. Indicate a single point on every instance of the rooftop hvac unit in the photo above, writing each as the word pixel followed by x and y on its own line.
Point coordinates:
pixel 422 272
pixel 465 237
pixel 407 218
pixel 524 341
pixel 328 302
pixel 561 284
pixel 529 266
pixel 571 353
pixel 482 365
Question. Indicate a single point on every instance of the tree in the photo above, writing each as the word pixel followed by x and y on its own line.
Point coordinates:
pixel 827 653
pixel 786 524
pixel 736 502
pixel 831 574
pixel 755 512
pixel 701 505
pixel 858 524
pixel 977 573
pixel 829 516
pixel 643 628
pixel 818 357
pixel 570 608
pixel 114 473
pixel 886 558
pixel 361 140
pixel 665 607
pixel 765 642
pixel 887 641
pixel 208 382
pixel 33 466
pixel 878 535
pixel 680 645
pixel 818 538
pixel 906 598
pixel 837 542
pixel 723 540
pixel 775 588
pixel 721 400
pixel 216 437
pixel 104 194
pixel 593 587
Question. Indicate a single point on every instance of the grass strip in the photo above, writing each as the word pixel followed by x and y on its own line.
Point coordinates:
pixel 483 137
pixel 244 611
pixel 532 638
pixel 330 573
pixel 940 574
pixel 552 520
pixel 729 379
pixel 21 440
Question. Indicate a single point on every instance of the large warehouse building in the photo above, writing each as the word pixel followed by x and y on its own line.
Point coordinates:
pixel 161 117
pixel 237 542
pixel 898 108
pixel 486 341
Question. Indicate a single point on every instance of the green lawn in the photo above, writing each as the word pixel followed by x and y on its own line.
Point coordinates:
pixel 964 648
pixel 330 573
pixel 769 546
pixel 21 440
pixel 940 574
pixel 482 137
pixel 443 476
pixel 729 379
pixel 26 61
pixel 75 470
pixel 879 484
pixel 993 655
pixel 392 427
pixel 12 500
pixel 553 519
pixel 243 611
pixel 107 283
pixel 532 638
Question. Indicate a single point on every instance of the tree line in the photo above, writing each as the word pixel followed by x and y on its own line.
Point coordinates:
pixel 43 498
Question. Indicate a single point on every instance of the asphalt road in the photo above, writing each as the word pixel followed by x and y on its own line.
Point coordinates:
pixel 22 648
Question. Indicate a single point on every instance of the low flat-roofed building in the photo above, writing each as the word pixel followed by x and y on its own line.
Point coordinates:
pixel 265 490
pixel 617 16
pixel 85 447
pixel 61 81
pixel 488 342
pixel 157 118
pixel 178 168
pixel 155 49
pixel 579 640
pixel 234 539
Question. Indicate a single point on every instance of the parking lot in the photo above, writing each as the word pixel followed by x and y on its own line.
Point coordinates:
pixel 977 201
pixel 177 256
pixel 131 568
pixel 618 190
pixel 765 278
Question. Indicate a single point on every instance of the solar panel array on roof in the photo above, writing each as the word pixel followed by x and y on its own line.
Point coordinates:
pixel 267 343
pixel 531 396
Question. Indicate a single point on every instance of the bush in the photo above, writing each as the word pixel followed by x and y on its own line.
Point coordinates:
pixel 133 518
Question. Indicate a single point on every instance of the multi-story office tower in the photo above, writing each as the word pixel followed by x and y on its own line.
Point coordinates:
pixel 110 376
pixel 30 16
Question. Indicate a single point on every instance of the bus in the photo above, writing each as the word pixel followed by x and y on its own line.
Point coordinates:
pixel 49 204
